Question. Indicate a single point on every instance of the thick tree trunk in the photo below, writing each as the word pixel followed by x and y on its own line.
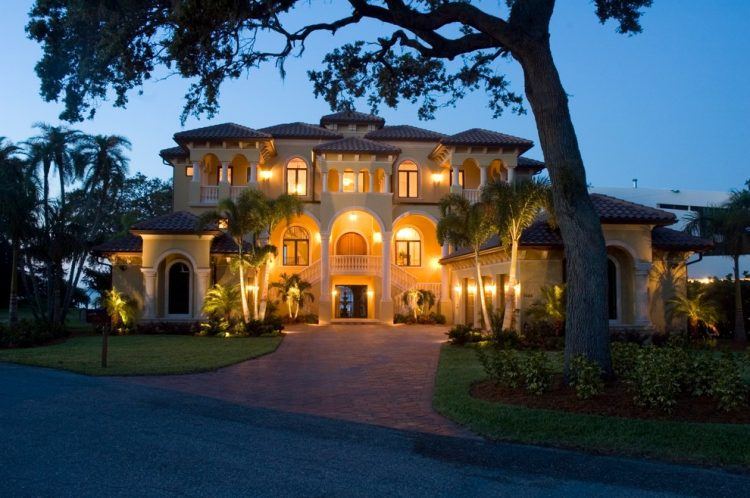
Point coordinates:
pixel 586 327
pixel 256 287
pixel 243 293
pixel 510 293
pixel 13 304
pixel 480 290
pixel 740 335
pixel 264 294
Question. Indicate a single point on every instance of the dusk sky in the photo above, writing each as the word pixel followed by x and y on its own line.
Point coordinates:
pixel 669 106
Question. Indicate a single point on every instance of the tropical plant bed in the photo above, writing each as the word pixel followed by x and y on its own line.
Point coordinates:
pixel 615 400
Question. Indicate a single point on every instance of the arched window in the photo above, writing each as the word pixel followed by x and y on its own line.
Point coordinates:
pixel 348 180
pixel 178 289
pixel 351 244
pixel 408 247
pixel 408 179
pixel 296 251
pixel 612 293
pixel 296 177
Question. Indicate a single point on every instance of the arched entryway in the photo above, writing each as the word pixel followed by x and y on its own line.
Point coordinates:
pixel 179 288
pixel 350 244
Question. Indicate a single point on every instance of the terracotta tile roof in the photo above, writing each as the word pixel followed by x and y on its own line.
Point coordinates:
pixel 405 133
pixel 128 243
pixel 221 244
pixel 299 130
pixel 177 222
pixel 174 152
pixel 480 137
pixel 528 163
pixel 345 117
pixel 614 210
pixel 357 145
pixel 221 131
pixel 674 240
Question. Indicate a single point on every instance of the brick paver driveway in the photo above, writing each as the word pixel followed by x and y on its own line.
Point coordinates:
pixel 365 373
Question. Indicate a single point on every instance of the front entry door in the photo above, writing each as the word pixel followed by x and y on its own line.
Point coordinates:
pixel 351 301
pixel 351 243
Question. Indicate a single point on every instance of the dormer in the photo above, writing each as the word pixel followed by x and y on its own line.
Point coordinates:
pixel 352 123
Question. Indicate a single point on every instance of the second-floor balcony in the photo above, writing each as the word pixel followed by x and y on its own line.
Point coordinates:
pixel 472 194
pixel 355 264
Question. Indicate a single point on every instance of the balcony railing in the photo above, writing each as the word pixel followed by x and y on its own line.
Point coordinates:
pixel 366 265
pixel 472 194
pixel 235 191
pixel 209 193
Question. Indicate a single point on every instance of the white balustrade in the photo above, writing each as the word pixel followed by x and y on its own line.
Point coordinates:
pixel 355 264
pixel 311 273
pixel 209 193
pixel 472 194
pixel 236 191
pixel 402 279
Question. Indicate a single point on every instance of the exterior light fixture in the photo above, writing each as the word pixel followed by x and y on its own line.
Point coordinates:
pixel 317 237
pixel 370 293
pixel 266 174
pixel 377 237
pixel 334 292
pixel 436 263
pixel 492 288
pixel 472 288
pixel 352 216
pixel 436 178
pixel 457 289
pixel 223 223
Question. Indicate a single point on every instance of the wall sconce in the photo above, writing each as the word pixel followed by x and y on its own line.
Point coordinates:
pixel 370 294
pixel 492 288
pixel 377 237
pixel 223 224
pixel 266 174
pixel 471 288
pixel 352 216
pixel 457 289
pixel 437 178
pixel 227 259
pixel 334 292
pixel 436 263
pixel 317 237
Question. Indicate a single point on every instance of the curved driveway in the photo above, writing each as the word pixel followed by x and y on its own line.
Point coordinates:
pixel 373 374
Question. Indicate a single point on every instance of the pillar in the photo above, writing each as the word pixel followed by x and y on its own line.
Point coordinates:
pixel 357 174
pixel 386 183
pixel 149 293
pixel 455 186
pixel 202 279
pixel 224 190
pixel 446 306
pixel 254 173
pixel 483 175
pixel 386 302
pixel 325 181
pixel 371 174
pixel 642 316
pixel 195 185
pixel 324 304
pixel 511 174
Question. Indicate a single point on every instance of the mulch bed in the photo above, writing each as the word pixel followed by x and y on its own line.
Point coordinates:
pixel 615 400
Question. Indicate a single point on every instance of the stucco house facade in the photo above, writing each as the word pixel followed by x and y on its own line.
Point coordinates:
pixel 368 231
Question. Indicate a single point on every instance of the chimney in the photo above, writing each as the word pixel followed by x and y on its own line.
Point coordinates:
pixel 635 182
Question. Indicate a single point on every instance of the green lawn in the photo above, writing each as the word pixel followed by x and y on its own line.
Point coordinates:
pixel 75 322
pixel 144 355
pixel 682 441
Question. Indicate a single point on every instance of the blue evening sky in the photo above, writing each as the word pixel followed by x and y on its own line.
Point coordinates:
pixel 669 106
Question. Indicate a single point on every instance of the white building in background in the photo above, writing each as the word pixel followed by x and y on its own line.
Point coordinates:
pixel 681 202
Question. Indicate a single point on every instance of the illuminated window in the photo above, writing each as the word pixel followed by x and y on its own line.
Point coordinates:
pixel 296 177
pixel 189 171
pixel 408 178
pixel 229 175
pixel 408 247
pixel 362 179
pixel 460 177
pixel 296 250
pixel 348 179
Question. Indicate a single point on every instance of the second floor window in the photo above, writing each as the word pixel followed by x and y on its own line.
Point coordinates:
pixel 296 177
pixel 408 247
pixel 408 180
pixel 296 250
pixel 348 180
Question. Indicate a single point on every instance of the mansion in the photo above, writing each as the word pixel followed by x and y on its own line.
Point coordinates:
pixel 368 231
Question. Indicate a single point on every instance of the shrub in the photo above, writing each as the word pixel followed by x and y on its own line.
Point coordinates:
pixel 431 318
pixel 502 366
pixel 269 327
pixel 213 326
pixel 623 358
pixel 655 378
pixel 463 334
pixel 537 372
pixel 728 387
pixel 585 377
pixel 542 334
pixel 28 333
pixel 168 328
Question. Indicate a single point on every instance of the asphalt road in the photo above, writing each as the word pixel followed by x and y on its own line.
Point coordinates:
pixel 63 434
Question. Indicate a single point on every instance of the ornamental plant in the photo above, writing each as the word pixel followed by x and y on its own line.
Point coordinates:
pixel 585 377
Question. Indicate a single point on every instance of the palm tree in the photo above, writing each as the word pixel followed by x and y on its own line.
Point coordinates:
pixel 222 301
pixel 515 206
pixel 419 301
pixel 18 201
pixel 698 311
pixel 58 142
pixel 121 311
pixel 728 226
pixel 463 224
pixel 294 292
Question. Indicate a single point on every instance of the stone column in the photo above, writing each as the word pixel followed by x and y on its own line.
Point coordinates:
pixel 149 293
pixel 195 185
pixel 224 190
pixel 202 278
pixel 371 174
pixel 386 183
pixel 483 176
pixel 386 303
pixel 254 173
pixel 446 306
pixel 325 181
pixel 511 174
pixel 197 172
pixel 641 296
pixel 357 174
pixel 455 186
pixel 324 304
